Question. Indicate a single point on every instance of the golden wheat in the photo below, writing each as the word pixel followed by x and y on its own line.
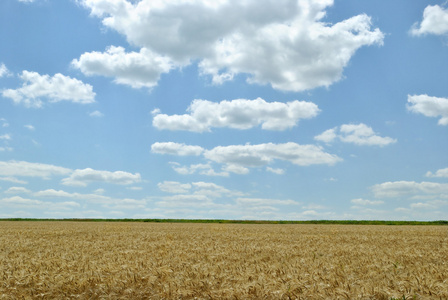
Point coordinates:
pixel 67 260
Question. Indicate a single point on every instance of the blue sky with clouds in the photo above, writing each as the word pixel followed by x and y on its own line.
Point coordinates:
pixel 290 109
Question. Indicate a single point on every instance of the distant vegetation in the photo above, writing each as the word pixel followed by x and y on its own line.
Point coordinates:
pixel 341 222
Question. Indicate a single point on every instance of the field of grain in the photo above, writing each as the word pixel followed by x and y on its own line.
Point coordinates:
pixel 94 260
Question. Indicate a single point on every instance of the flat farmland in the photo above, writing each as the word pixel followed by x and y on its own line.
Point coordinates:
pixel 116 260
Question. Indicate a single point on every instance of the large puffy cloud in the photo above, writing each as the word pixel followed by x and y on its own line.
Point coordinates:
pixel 435 21
pixel 410 188
pixel 358 134
pixel 238 158
pixel 56 88
pixel 284 43
pixel 22 168
pixel 239 114
pixel 85 176
pixel 137 69
pixel 429 107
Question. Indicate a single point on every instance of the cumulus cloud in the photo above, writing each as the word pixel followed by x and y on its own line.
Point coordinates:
pixel 284 43
pixel 96 114
pixel 358 134
pixel 85 176
pixel 17 190
pixel 410 188
pixel 56 88
pixel 438 173
pixel 429 107
pixel 435 21
pixel 275 171
pixel 136 69
pixel 264 201
pixel 238 114
pixel 20 202
pixel 176 149
pixel 14 168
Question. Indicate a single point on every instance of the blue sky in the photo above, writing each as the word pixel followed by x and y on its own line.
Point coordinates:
pixel 286 109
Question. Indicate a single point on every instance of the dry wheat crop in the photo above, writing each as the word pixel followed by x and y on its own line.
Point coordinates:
pixel 89 260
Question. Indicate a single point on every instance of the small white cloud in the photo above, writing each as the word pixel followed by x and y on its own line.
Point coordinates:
pixel 96 114
pixel 202 169
pixel 174 187
pixel 439 173
pixel 361 201
pixel 176 149
pixel 5 137
pixel 358 134
pixel 27 169
pixel 17 190
pixel 4 122
pixel 29 127
pixel 239 114
pixel 275 171
pixel 85 176
pixel 57 88
pixel 4 71
pixel 409 188
pixel 264 202
pixel 435 21
pixel 429 107
pixel 136 69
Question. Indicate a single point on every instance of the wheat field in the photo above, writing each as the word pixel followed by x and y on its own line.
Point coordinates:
pixel 101 260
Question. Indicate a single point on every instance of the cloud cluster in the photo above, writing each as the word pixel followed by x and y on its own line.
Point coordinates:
pixel 284 43
pixel 435 21
pixel 429 107
pixel 56 88
pixel 358 134
pixel 238 158
pixel 239 114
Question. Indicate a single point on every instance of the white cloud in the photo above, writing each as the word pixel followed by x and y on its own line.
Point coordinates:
pixel 12 179
pixel 358 134
pixel 435 21
pixel 429 107
pixel 85 176
pixel 5 137
pixel 17 190
pixel 136 69
pixel 439 173
pixel 238 114
pixel 176 149
pixel 264 201
pixel 4 71
pixel 203 169
pixel 29 127
pixel 284 43
pixel 174 187
pixel 260 155
pixel 275 171
pixel 27 169
pixel 238 158
pixel 96 114
pixel 55 89
pixel 409 188
pixel 19 202
pixel 360 201
pixel 4 122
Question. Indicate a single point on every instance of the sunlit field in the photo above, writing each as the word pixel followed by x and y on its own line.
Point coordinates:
pixel 100 260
